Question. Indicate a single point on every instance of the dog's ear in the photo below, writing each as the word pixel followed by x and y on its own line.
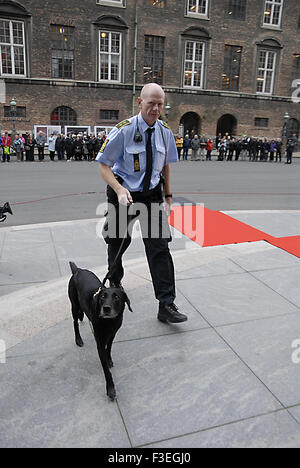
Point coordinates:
pixel 96 299
pixel 127 301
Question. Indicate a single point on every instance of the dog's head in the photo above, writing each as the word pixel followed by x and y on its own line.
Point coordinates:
pixel 109 303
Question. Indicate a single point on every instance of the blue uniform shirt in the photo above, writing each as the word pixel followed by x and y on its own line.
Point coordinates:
pixel 128 158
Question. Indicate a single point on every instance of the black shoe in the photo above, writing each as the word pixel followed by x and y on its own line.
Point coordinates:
pixel 170 313
pixel 7 208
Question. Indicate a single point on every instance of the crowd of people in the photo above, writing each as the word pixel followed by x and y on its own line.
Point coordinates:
pixel 230 148
pixel 72 147
pixel 195 147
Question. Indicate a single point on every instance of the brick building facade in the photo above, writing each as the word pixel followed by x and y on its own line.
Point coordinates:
pixel 226 65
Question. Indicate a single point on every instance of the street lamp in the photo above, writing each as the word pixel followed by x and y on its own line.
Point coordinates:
pixel 284 131
pixel 13 112
pixel 167 110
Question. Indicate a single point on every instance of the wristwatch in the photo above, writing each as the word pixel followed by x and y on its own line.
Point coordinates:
pixel 169 195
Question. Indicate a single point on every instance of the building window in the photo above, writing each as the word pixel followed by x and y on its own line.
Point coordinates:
pixel 236 9
pixel 12 44
pixel 266 72
pixel 20 112
pixel 154 59
pixel 194 64
pixel 62 45
pixel 113 3
pixel 273 12
pixel 232 66
pixel 197 7
pixel 296 67
pixel 110 56
pixel 157 3
pixel 109 114
pixel 64 116
pixel 261 122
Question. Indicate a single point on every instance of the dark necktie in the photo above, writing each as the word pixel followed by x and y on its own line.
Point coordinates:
pixel 149 155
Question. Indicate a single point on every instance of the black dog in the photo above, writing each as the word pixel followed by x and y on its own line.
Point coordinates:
pixel 104 308
pixel 5 209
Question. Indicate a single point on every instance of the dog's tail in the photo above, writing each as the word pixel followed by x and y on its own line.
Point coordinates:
pixel 74 268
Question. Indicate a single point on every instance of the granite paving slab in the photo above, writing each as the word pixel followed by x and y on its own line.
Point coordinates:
pixel 53 395
pixel 233 298
pixel 276 430
pixel 266 347
pixel 176 384
pixel 285 282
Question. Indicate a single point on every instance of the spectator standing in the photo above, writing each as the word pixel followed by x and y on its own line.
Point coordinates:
pixel 69 147
pixel 209 148
pixel 18 147
pixel 6 145
pixel 59 147
pixel 40 142
pixel 278 150
pixel 222 149
pixel 51 146
pixel 203 144
pixel 195 145
pixel 272 149
pixel 290 148
pixel 78 149
pixel 186 147
pixel 179 145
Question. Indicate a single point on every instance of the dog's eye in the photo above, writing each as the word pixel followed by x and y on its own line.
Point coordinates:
pixel 116 298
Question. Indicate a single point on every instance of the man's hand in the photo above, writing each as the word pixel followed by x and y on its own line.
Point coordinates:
pixel 168 206
pixel 124 196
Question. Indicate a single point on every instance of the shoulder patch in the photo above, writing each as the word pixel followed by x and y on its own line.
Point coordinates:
pixel 104 145
pixel 123 124
pixel 166 125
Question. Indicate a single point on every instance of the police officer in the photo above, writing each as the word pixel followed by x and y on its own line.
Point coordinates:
pixel 135 154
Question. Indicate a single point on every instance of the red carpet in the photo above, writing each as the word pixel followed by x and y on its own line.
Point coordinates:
pixel 210 228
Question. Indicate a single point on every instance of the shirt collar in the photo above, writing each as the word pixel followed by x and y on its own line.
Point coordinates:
pixel 143 125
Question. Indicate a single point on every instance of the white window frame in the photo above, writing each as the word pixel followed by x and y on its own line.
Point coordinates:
pixel 196 13
pixel 12 46
pixel 194 63
pixel 273 4
pixel 109 53
pixel 265 70
pixel 112 3
pixel 103 128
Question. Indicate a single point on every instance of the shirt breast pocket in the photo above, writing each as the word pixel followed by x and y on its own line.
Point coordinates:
pixel 135 159
pixel 160 159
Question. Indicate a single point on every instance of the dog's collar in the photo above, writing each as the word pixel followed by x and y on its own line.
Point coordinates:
pixel 98 292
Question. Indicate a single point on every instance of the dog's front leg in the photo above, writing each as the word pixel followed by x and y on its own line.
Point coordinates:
pixel 110 387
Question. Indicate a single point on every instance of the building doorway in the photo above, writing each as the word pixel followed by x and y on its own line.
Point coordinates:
pixel 227 124
pixel 293 127
pixel 191 123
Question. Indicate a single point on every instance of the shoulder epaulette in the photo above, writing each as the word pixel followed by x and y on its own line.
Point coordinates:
pixel 123 124
pixel 166 125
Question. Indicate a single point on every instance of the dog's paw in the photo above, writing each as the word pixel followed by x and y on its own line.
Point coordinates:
pixel 110 363
pixel 79 342
pixel 111 393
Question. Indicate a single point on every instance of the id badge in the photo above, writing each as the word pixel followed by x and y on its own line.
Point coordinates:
pixel 136 159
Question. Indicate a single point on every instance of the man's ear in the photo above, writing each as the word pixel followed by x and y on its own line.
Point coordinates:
pixel 127 301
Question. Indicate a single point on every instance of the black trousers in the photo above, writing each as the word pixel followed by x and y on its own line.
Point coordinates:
pixel 148 210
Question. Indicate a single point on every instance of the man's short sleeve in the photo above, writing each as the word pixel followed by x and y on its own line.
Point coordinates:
pixel 112 148
pixel 172 155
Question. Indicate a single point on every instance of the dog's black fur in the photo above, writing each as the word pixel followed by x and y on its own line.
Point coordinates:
pixel 104 308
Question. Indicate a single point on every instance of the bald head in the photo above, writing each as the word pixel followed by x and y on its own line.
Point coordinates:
pixel 151 102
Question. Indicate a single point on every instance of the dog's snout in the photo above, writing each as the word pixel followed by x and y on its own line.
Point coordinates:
pixel 106 310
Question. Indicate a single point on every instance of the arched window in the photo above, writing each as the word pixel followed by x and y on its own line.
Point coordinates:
pixel 293 127
pixel 63 116
pixel 227 124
